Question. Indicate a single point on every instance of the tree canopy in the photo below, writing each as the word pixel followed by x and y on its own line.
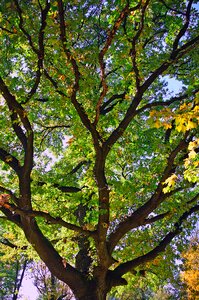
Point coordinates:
pixel 99 165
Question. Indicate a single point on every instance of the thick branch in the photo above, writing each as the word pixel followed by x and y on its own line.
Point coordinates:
pixel 27 142
pixel 165 103
pixel 40 51
pixel 56 264
pixel 156 218
pixel 109 105
pixel 21 26
pixel 10 216
pixel 14 105
pixel 17 128
pixel 62 188
pixel 131 112
pixel 79 108
pixel 185 26
pixel 49 219
pixel 102 53
pixel 6 242
pixel 127 266
pixel 138 217
pixel 10 160
pixel 133 52
pixel 79 165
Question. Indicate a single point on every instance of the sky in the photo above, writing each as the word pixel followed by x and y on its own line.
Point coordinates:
pixel 28 291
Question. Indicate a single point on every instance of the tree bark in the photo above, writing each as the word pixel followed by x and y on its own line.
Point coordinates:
pixel 93 295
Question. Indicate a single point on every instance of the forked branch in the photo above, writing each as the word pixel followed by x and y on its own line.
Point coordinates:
pixel 178 228
pixel 137 218
pixel 50 219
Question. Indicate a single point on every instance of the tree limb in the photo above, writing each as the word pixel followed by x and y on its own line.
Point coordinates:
pixel 39 51
pixel 156 218
pixel 10 160
pixel 173 9
pixel 62 188
pixel 102 53
pixel 21 26
pixel 49 219
pixel 127 266
pixel 131 112
pixel 6 242
pixel 137 218
pixel 79 108
pixel 109 105
pixel 133 52
pixel 185 26
pixel 165 103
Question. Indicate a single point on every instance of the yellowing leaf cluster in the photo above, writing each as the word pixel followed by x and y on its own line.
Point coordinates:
pixel 193 145
pixel 191 163
pixel 186 117
pixel 162 118
pixel 170 182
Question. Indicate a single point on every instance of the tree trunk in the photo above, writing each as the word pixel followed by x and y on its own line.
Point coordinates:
pixel 93 295
pixel 94 291
pixel 83 259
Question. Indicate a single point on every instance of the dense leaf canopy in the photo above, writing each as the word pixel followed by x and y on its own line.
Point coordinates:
pixel 99 166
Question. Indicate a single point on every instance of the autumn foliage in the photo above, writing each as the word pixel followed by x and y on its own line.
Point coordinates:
pixel 190 275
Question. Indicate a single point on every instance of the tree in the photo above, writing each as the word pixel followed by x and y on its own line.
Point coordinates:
pixel 11 277
pixel 99 164
pixel 49 287
pixel 190 274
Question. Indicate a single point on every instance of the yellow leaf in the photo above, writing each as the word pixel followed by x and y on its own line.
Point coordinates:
pixel 191 125
pixel 62 77
pixel 180 124
pixel 196 164
pixel 152 113
pixel 8 159
pixel 192 154
pixel 167 125
pixel 186 162
pixel 170 181
pixel 157 124
pixel 193 145
pixel 183 106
